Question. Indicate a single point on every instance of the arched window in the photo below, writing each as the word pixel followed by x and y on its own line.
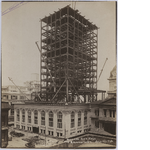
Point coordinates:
pixel 43 118
pixel 35 117
pixel 51 119
pixel 29 116
pixel 72 120
pixel 79 118
pixel 85 117
pixel 18 115
pixel 59 120
pixel 23 115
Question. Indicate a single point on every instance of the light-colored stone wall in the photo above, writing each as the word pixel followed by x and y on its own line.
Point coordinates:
pixel 66 129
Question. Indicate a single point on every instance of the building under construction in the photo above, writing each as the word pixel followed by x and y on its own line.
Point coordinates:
pixel 68 92
pixel 68 57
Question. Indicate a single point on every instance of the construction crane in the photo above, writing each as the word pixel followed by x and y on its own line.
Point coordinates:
pixel 17 87
pixel 102 69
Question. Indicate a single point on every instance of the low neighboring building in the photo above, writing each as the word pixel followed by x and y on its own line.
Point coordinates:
pixel 107 118
pixel 4 123
pixel 103 113
pixel 103 116
pixel 12 94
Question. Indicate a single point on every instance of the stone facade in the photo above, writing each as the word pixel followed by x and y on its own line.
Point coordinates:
pixel 54 120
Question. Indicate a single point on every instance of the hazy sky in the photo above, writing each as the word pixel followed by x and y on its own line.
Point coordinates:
pixel 21 28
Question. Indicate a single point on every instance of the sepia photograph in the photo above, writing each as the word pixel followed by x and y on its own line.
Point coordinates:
pixel 59 74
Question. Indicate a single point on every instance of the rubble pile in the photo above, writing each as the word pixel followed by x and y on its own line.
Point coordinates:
pixel 32 141
pixel 16 134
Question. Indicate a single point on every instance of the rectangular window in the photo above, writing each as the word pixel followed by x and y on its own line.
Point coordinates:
pixel 72 119
pixel 110 113
pixel 104 112
pixel 51 122
pixel 114 113
pixel 43 118
pixel 29 116
pixel 13 97
pixel 35 120
pixel 35 117
pixel 57 134
pixel 97 124
pixel 59 120
pixel 23 118
pixel 79 118
pixel 72 123
pixel 29 119
pixel 43 121
pixel 85 118
pixel 79 131
pixel 5 96
pixel 59 125
pixel 18 115
pixel 79 121
pixel 97 112
pixel 12 112
pixel 22 97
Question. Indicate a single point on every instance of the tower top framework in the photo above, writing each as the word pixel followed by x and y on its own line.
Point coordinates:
pixel 68 58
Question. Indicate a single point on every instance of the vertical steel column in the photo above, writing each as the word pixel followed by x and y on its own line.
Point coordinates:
pixel 74 70
pixel 51 49
pixel 46 58
pixel 96 62
pixel 77 52
pixel 67 86
pixel 60 49
pixel 41 61
pixel 55 68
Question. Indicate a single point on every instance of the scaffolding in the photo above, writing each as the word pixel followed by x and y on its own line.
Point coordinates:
pixel 68 57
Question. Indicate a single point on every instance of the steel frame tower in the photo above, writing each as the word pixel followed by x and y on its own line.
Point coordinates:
pixel 68 57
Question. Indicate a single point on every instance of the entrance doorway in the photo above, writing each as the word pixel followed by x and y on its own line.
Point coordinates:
pixel 110 127
pixel 35 129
